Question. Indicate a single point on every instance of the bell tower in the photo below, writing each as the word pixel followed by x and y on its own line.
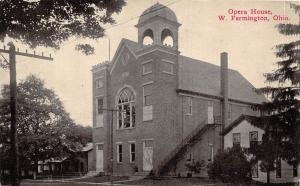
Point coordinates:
pixel 158 26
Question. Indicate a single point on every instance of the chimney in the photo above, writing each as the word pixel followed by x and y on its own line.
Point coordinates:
pixel 224 92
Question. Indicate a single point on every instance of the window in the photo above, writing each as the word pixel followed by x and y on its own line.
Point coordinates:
pixel 278 168
pixel 295 170
pixel 99 112
pixel 147 68
pixel 99 83
pixel 168 67
pixel 147 101
pixel 148 37
pixel 100 147
pixel 254 170
pixel 189 156
pixel 147 91
pixel 236 139
pixel 211 152
pixel 229 112
pixel 210 113
pixel 126 107
pixel 253 139
pixel 119 153
pixel 148 143
pixel 132 152
pixel 99 105
pixel 189 106
pixel 167 37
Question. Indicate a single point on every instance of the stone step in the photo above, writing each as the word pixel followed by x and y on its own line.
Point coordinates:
pixel 92 173
pixel 142 173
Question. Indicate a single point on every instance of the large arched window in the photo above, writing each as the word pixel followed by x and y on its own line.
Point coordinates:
pixel 126 107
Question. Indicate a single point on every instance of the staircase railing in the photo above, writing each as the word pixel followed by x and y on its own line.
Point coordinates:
pixel 181 147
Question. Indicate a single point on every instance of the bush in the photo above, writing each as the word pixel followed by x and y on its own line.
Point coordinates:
pixel 230 166
pixel 195 167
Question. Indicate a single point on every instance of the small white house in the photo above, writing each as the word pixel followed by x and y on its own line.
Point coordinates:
pixel 242 132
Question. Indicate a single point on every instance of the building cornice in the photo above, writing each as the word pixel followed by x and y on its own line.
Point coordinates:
pixel 214 97
pixel 153 48
pixel 100 66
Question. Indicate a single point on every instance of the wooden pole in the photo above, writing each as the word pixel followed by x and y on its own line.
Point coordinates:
pixel 112 149
pixel 14 168
pixel 13 118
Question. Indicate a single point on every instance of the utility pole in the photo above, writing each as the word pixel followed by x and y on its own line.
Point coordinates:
pixel 13 107
pixel 112 147
pixel 0 161
pixel 111 142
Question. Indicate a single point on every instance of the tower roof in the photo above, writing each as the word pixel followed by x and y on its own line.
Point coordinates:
pixel 158 10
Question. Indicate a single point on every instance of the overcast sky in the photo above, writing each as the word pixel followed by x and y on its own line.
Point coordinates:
pixel 201 36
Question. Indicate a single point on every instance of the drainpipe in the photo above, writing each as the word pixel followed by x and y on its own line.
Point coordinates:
pixel 224 93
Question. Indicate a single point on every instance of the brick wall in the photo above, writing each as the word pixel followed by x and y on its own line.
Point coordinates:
pixel 170 123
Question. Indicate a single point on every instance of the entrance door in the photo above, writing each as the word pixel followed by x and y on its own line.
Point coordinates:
pixel 99 157
pixel 148 155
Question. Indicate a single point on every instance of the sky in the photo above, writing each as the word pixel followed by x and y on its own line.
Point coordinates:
pixel 250 46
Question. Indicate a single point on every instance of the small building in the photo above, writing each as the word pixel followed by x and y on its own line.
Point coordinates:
pixel 155 109
pixel 78 162
pixel 244 133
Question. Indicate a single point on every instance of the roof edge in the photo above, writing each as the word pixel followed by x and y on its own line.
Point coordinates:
pixel 214 97
pixel 253 120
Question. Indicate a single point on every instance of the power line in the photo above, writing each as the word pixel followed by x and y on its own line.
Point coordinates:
pixel 154 10
pixel 5 64
pixel 169 3
pixel 3 57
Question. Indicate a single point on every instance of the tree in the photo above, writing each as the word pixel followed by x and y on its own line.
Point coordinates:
pixel 50 22
pixel 266 153
pixel 231 165
pixel 80 133
pixel 280 116
pixel 45 129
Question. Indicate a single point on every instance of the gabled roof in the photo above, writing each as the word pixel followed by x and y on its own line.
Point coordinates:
pixel 253 120
pixel 203 77
pixel 131 44
pixel 87 147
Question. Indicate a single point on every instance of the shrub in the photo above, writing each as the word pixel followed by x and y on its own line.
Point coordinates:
pixel 195 167
pixel 230 166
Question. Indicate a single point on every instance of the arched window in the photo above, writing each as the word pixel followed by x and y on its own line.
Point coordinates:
pixel 126 107
pixel 167 38
pixel 148 37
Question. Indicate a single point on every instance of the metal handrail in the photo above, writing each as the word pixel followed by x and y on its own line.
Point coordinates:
pixel 202 127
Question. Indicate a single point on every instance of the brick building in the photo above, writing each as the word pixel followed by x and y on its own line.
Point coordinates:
pixel 171 107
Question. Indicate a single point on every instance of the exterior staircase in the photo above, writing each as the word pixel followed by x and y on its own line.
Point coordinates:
pixel 193 137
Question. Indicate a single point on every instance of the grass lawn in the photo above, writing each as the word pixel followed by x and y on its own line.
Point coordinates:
pixel 145 182
pixel 82 181
pixel 195 182
pixel 171 181
pixel 101 179
pixel 54 184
